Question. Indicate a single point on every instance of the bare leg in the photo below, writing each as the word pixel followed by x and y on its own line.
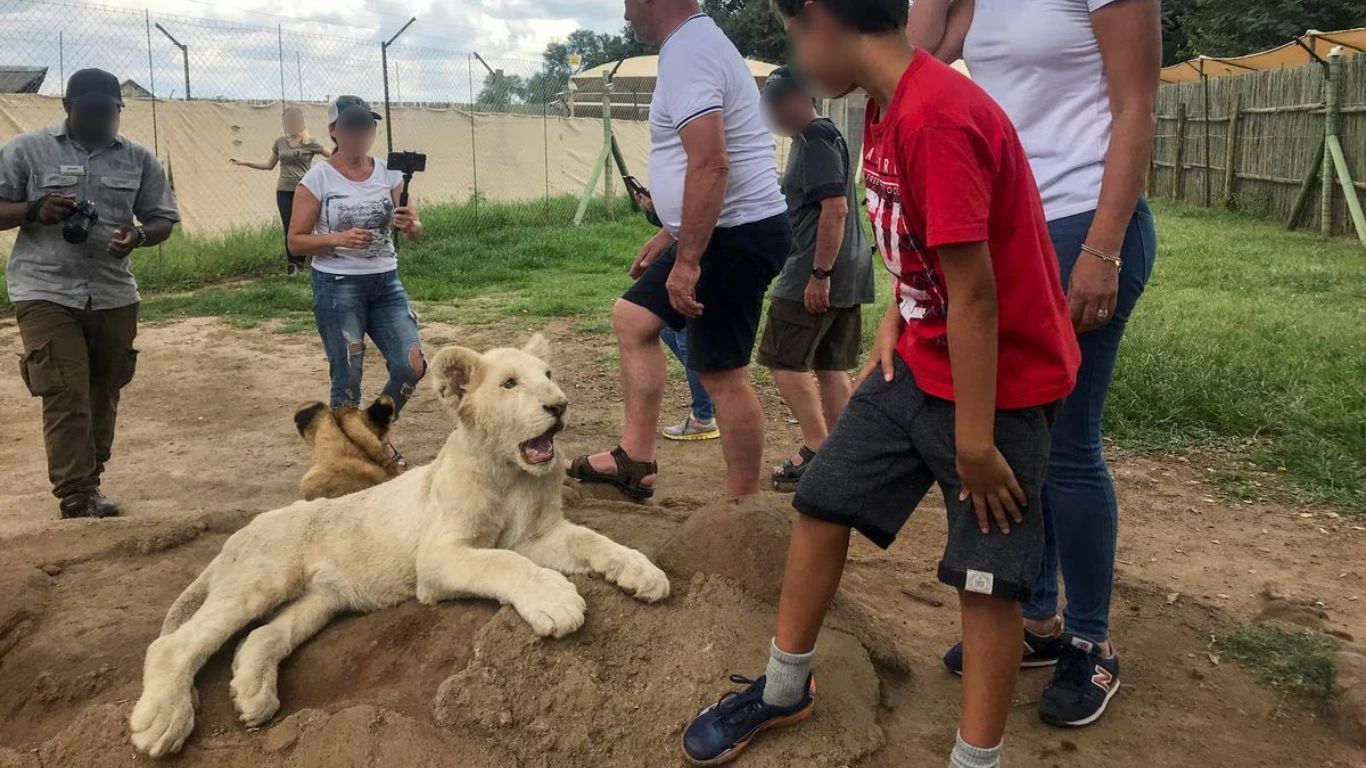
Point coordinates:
pixel 815 564
pixel 570 548
pixel 644 372
pixel 256 667
pixel 836 389
pixel 800 393
pixel 991 662
pixel 544 598
pixel 742 428
pixel 164 715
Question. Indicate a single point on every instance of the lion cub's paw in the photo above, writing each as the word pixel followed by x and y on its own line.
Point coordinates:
pixel 162 720
pixel 642 578
pixel 551 604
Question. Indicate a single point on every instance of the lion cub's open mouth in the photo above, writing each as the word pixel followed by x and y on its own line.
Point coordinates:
pixel 541 449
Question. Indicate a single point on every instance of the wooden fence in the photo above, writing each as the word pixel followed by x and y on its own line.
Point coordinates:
pixel 1255 143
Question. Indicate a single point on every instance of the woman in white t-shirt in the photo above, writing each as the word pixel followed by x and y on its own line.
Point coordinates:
pixel 1079 79
pixel 345 211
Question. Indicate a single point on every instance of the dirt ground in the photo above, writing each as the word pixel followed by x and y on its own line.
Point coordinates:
pixel 206 441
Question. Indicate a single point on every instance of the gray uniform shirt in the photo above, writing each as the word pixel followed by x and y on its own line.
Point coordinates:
pixel 818 168
pixel 124 180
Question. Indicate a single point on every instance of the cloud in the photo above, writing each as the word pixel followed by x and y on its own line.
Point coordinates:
pixel 244 49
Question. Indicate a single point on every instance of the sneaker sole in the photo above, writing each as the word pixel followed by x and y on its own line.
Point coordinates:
pixel 1087 720
pixel 734 752
pixel 692 438
pixel 1023 665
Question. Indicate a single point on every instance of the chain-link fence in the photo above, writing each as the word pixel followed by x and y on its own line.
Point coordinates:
pixel 498 131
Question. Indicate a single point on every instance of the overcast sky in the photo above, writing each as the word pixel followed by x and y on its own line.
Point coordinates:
pixel 236 52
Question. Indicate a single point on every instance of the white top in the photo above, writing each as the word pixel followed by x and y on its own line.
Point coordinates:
pixel 347 204
pixel 1040 60
pixel 701 72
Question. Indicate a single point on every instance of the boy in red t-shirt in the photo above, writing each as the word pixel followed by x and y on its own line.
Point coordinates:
pixel 961 388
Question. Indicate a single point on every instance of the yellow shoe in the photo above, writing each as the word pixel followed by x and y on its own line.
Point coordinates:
pixel 692 429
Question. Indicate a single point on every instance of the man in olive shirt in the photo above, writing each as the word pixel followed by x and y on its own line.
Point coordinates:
pixel 815 317
pixel 75 300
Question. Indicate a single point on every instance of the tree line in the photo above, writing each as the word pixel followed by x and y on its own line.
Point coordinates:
pixel 1189 28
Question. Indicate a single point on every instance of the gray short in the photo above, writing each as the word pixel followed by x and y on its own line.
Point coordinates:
pixel 892 443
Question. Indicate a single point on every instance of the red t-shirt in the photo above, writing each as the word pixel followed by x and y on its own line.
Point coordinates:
pixel 943 167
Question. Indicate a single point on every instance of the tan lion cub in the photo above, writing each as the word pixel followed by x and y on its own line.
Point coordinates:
pixel 349 449
pixel 483 520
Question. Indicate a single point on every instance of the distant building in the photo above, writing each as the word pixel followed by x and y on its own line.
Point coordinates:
pixel 21 79
pixel 131 90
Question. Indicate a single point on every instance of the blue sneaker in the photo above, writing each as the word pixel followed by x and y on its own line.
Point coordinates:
pixel 1039 651
pixel 1082 685
pixel 722 731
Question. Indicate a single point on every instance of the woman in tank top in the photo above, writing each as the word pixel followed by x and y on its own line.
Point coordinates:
pixel 293 153
pixel 1079 80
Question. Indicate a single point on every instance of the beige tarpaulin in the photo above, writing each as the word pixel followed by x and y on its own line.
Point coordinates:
pixel 1292 54
pixel 513 157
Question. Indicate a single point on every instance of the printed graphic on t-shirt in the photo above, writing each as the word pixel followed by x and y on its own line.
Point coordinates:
pixel 344 212
pixel 920 296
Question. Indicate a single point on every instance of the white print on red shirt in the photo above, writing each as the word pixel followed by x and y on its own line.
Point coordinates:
pixel 920 296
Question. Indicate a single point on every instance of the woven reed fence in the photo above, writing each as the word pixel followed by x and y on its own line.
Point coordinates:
pixel 1254 143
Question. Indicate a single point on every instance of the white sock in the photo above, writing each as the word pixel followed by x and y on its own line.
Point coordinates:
pixel 967 756
pixel 785 680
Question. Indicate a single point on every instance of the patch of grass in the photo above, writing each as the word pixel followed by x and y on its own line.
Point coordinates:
pixel 1298 662
pixel 1248 331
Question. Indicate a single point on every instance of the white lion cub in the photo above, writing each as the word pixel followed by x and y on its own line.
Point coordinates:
pixel 483 520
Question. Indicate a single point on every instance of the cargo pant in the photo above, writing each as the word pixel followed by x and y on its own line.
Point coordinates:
pixel 77 361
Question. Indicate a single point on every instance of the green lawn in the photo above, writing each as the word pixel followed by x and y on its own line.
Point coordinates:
pixel 1248 336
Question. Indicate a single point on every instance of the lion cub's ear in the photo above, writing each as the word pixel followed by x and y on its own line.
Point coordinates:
pixel 457 369
pixel 306 415
pixel 537 346
pixel 380 414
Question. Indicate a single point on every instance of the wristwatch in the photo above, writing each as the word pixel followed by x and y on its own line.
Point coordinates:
pixel 141 239
pixel 822 274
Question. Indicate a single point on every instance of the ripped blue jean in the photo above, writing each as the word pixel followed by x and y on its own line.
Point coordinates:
pixel 348 308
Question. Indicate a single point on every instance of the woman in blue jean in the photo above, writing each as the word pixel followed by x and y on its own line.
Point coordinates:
pixel 1079 79
pixel 345 211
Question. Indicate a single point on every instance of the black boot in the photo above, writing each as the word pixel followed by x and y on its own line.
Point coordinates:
pixel 88 505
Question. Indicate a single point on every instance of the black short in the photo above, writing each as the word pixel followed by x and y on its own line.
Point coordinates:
pixel 893 443
pixel 739 264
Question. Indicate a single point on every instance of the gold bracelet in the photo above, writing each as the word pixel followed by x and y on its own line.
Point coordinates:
pixel 1106 256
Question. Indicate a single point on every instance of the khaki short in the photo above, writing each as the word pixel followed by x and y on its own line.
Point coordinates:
pixel 796 340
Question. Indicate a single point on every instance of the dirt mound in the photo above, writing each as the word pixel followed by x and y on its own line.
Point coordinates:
pixel 619 692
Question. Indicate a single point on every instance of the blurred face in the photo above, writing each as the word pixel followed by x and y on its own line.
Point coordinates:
pixel 354 140
pixel 640 15
pixel 293 122
pixel 93 123
pixel 825 51
pixel 790 113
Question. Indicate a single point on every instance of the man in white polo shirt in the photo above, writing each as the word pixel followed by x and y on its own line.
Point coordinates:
pixel 725 236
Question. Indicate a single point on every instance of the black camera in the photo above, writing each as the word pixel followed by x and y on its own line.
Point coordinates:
pixel 406 163
pixel 79 222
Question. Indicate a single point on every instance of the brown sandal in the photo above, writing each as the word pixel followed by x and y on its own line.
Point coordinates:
pixel 628 477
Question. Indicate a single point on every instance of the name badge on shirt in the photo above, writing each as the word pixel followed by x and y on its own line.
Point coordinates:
pixel 72 170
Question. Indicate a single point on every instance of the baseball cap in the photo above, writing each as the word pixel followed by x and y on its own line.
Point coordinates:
pixel 93 86
pixel 781 82
pixel 351 111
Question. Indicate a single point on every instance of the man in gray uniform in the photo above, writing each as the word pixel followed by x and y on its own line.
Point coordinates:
pixel 815 318
pixel 83 198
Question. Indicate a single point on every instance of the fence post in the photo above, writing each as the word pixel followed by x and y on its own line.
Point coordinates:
pixel 1179 192
pixel 474 146
pixel 1330 131
pixel 608 176
pixel 1306 188
pixel 152 85
pixel 1204 107
pixel 1235 117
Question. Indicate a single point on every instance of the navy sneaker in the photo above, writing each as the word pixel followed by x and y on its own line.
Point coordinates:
pixel 1039 651
pixel 1082 685
pixel 721 732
